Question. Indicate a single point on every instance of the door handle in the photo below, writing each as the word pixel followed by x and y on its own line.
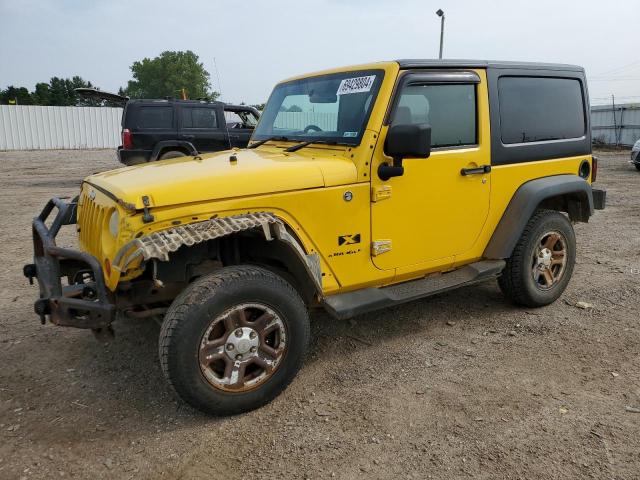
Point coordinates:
pixel 475 171
pixel 189 137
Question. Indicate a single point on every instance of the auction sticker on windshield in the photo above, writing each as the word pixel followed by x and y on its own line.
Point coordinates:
pixel 355 85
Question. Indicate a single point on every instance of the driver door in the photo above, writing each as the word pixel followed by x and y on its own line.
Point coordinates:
pixel 434 211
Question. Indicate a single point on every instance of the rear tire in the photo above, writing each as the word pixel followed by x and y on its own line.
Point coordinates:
pixel 542 262
pixel 171 154
pixel 234 339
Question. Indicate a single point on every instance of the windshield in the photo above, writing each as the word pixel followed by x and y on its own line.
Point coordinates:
pixel 330 108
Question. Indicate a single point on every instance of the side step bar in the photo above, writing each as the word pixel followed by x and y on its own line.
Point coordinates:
pixel 350 304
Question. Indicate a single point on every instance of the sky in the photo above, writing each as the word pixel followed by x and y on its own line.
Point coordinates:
pixel 257 43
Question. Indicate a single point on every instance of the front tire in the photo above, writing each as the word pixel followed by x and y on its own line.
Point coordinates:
pixel 542 262
pixel 637 165
pixel 234 339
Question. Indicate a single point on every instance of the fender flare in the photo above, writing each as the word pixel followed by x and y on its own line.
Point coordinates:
pixel 158 245
pixel 172 143
pixel 524 203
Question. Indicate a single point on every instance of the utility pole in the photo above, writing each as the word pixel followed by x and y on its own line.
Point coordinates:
pixel 440 13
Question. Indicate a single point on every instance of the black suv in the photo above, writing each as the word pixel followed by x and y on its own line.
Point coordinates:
pixel 159 129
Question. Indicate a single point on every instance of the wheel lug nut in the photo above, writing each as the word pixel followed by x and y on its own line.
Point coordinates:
pixel 239 332
pixel 252 335
pixel 254 349
pixel 229 346
pixel 238 357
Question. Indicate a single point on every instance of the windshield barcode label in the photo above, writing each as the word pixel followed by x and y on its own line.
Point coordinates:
pixel 355 85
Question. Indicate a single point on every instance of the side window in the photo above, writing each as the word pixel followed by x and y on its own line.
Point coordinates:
pixel 535 109
pixel 199 117
pixel 449 109
pixel 154 117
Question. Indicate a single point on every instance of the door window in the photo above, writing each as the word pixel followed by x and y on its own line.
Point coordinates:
pixel 199 118
pixel 449 109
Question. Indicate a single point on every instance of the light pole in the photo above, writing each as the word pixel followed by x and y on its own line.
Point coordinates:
pixel 440 13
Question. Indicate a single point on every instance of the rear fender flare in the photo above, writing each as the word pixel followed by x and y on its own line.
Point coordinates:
pixel 527 199
pixel 175 144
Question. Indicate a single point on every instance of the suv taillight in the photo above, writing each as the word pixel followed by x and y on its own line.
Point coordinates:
pixel 594 168
pixel 127 139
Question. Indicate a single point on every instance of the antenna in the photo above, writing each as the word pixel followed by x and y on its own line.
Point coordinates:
pixel 226 128
pixel 215 65
pixel 224 117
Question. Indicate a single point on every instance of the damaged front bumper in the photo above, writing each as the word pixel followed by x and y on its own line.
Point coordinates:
pixel 84 302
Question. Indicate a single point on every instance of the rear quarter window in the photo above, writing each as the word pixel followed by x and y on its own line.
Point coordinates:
pixel 199 117
pixel 538 109
pixel 153 117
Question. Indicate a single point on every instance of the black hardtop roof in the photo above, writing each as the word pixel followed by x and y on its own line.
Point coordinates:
pixel 455 63
pixel 190 102
pixel 173 100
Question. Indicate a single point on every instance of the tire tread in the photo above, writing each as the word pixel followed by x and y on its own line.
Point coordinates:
pixel 194 295
pixel 510 282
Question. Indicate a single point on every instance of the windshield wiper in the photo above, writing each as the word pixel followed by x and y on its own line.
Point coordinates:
pixel 262 142
pixel 295 148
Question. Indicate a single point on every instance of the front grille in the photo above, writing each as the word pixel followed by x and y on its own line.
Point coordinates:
pixel 91 217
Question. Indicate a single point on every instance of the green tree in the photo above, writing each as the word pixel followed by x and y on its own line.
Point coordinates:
pixel 167 74
pixel 58 92
pixel 18 95
pixel 42 94
pixel 62 92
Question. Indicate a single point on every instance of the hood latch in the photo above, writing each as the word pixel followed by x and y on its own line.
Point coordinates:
pixel 147 217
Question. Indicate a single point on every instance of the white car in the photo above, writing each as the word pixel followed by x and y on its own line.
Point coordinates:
pixel 635 154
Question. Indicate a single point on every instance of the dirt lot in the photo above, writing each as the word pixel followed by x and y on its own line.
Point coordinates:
pixel 455 386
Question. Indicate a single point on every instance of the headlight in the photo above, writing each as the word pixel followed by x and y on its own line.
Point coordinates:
pixel 636 146
pixel 114 223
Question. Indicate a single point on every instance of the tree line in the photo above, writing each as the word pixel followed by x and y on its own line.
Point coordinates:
pixel 169 75
pixel 57 92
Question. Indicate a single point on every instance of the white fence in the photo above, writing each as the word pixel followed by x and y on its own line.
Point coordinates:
pixel 300 120
pixel 616 126
pixel 27 127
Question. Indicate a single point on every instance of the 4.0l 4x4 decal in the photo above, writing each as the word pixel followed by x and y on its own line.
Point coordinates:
pixel 348 239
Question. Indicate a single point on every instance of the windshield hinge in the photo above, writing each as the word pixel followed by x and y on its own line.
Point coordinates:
pixel 380 193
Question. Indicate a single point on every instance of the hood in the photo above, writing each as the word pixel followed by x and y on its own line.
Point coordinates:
pixel 215 176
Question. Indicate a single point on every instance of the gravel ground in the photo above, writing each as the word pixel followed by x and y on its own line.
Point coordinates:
pixel 461 385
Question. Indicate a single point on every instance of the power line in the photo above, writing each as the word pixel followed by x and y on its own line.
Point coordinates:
pixel 620 96
pixel 613 70
pixel 627 79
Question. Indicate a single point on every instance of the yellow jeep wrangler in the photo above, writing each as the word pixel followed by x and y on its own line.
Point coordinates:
pixel 363 187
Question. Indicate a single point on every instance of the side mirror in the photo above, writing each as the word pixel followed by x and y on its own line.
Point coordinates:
pixel 403 141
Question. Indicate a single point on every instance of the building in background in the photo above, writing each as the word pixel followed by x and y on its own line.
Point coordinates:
pixel 619 125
